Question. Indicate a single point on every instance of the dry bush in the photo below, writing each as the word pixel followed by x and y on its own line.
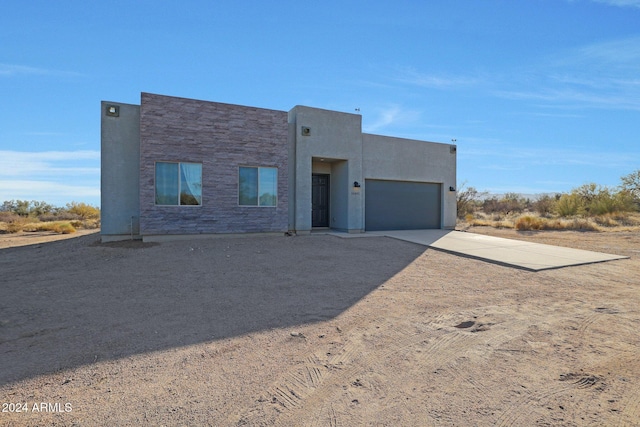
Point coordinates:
pixel 606 220
pixel 60 227
pixel 60 216
pixel 529 222
pixel 91 224
pixel 467 200
pixel 64 228
pixel 83 210
pixel 544 205
pixel 19 224
pixel 535 222
pixel 556 224
pixel 8 217
pixel 15 226
pixel 582 224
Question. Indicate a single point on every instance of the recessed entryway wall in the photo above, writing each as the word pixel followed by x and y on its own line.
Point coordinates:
pixel 330 193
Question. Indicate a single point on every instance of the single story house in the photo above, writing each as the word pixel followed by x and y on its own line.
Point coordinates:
pixel 175 167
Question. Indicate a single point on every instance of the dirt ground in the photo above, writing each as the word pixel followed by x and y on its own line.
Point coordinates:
pixel 315 331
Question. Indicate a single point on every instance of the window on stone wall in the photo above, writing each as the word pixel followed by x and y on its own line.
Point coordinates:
pixel 178 183
pixel 258 186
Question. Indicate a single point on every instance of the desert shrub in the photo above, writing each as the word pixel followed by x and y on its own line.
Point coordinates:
pixel 19 224
pixel 509 203
pixel 83 210
pixel 8 216
pixel 631 185
pixel 60 216
pixel 491 205
pixel 15 226
pixel 64 228
pixel 554 224
pixel 27 208
pixel 625 201
pixel 514 203
pixel 544 205
pixel 582 224
pixel 607 220
pixel 568 205
pixel 40 208
pixel 55 226
pixel 467 200
pixel 529 222
pixel 617 219
pixel 607 202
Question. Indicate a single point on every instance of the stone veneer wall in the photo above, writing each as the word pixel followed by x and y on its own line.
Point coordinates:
pixel 222 137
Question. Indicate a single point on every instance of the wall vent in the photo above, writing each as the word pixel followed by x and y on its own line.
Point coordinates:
pixel 306 131
pixel 452 149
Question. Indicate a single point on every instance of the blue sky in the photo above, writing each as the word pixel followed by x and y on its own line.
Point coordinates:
pixel 540 95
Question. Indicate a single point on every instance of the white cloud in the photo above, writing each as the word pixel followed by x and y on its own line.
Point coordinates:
pixel 620 3
pixel 51 192
pixel 517 158
pixel 624 53
pixel 390 116
pixel 17 69
pixel 598 75
pixel 49 163
pixel 575 99
pixel 433 81
pixel 56 177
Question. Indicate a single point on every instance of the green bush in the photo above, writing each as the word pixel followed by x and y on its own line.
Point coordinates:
pixel 568 205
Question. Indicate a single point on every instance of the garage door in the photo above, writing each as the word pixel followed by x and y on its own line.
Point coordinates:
pixel 401 205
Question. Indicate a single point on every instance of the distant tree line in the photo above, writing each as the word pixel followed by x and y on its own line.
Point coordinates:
pixel 587 200
pixel 44 211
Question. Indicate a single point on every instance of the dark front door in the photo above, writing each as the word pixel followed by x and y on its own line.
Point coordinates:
pixel 319 200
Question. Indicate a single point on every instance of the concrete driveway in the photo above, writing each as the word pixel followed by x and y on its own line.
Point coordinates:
pixel 515 253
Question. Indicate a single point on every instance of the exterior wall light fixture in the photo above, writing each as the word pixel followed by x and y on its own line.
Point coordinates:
pixel 356 184
pixel 113 111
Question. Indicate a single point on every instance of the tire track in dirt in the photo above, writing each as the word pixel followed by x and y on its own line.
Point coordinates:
pixel 532 401
pixel 628 407
pixel 450 345
pixel 300 383
pixel 631 407
pixel 492 344
pixel 433 343
pixel 329 417
pixel 529 403
pixel 319 372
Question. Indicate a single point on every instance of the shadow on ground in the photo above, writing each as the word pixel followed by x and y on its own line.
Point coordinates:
pixel 75 302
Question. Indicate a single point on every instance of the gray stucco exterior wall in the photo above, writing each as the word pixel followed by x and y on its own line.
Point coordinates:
pixel 120 166
pixel 332 142
pixel 222 137
pixel 334 138
pixel 399 159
